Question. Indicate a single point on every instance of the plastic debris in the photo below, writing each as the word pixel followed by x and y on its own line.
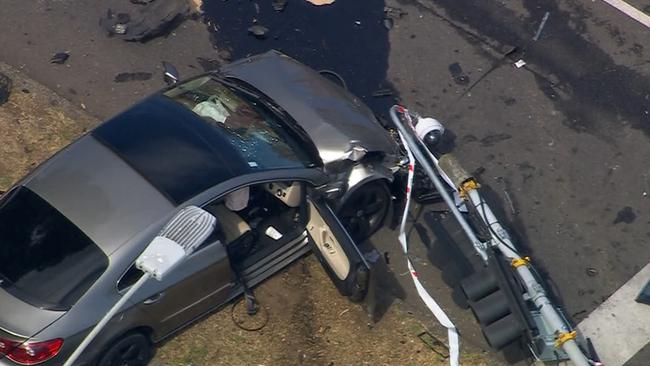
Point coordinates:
pixel 151 20
pixel 132 76
pixel 321 2
pixel 519 64
pixel 258 30
pixel 457 73
pixel 279 5
pixel 60 57
pixel 5 88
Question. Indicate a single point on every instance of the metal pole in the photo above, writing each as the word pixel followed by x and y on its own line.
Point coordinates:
pixel 102 323
pixel 533 287
pixel 426 165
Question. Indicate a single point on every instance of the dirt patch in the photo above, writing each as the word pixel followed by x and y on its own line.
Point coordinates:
pixel 309 324
pixel 35 123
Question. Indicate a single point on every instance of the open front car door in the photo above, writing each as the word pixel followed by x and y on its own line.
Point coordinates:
pixel 336 251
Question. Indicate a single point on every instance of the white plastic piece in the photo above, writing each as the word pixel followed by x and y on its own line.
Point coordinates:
pixel 426 125
pixel 519 64
pixel 160 257
pixel 273 233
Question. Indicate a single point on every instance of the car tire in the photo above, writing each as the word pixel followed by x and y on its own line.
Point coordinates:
pixel 134 349
pixel 364 211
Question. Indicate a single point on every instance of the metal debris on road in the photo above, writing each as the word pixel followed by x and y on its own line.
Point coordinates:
pixel 60 57
pixel 5 88
pixel 541 26
pixel 591 272
pixel 321 2
pixel 519 64
pixel 132 76
pixel 279 5
pixel 382 93
pixel 259 31
pixel 457 73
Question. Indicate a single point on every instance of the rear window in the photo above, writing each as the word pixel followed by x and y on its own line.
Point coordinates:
pixel 45 260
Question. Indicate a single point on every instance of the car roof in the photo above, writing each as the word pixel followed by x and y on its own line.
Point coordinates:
pixel 98 192
pixel 171 147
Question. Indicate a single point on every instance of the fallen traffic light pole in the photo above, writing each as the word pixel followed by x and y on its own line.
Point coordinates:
pixel 508 296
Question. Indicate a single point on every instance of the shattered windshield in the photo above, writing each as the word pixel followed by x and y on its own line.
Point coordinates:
pixel 257 133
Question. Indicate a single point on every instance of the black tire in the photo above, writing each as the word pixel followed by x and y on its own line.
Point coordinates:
pixel 134 349
pixel 363 213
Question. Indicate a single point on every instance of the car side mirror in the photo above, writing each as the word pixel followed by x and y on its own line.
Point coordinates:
pixel 170 73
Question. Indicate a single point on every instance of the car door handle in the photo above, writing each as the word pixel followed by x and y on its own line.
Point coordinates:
pixel 154 299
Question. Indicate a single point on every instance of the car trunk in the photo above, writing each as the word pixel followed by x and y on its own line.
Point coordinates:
pixel 20 320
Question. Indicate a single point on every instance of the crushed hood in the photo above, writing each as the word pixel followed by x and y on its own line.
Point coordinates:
pixel 334 119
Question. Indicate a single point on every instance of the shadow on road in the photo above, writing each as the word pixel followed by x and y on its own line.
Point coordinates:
pixel 347 37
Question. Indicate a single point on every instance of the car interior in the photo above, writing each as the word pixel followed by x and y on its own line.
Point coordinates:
pixel 266 217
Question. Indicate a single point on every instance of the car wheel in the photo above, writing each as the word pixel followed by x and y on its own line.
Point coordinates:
pixel 363 213
pixel 131 350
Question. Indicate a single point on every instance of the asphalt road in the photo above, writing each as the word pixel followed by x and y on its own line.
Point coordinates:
pixel 561 142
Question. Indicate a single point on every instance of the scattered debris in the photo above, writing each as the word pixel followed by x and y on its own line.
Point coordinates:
pixel 626 215
pixel 5 88
pixel 279 5
pixel 512 205
pixel 224 55
pixel 388 23
pixel 258 30
pixel 120 28
pixel 321 2
pixel 457 73
pixel 208 64
pixel 541 26
pixel 151 20
pixel 519 64
pixel 60 58
pixel 170 73
pixel 394 13
pixel 591 272
pixel 132 76
pixel 382 93
pixel 357 23
pixel 434 344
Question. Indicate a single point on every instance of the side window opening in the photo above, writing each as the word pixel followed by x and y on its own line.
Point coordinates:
pixel 131 276
pixel 257 220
